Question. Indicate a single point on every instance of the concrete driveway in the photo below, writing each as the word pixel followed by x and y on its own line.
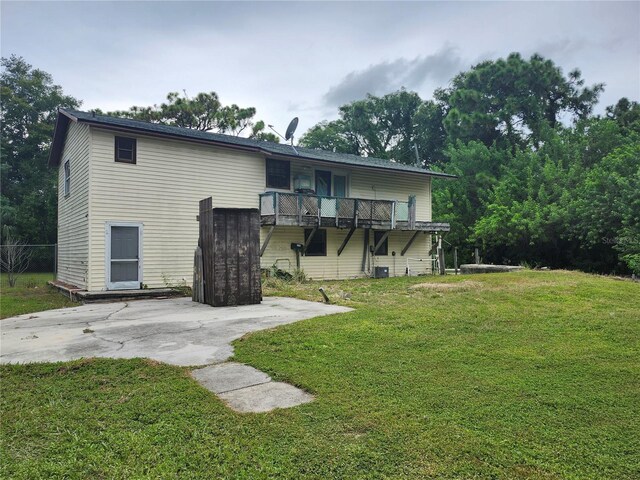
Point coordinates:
pixel 176 331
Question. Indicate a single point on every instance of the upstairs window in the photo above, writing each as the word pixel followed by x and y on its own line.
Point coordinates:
pixel 318 245
pixel 339 186
pixel 278 174
pixel 67 178
pixel 384 248
pixel 125 150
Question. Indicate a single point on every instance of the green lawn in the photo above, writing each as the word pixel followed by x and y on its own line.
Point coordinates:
pixel 31 294
pixel 530 375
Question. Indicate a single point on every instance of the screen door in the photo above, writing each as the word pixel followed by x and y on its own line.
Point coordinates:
pixel 124 257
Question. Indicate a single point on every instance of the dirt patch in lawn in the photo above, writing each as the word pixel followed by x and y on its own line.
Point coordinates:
pixel 445 287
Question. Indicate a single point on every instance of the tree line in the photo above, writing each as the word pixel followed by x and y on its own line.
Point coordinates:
pixel 542 180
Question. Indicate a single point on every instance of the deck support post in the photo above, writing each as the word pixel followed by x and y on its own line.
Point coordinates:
pixel 406 247
pixel 393 215
pixel 365 251
pixel 355 213
pixel 455 260
pixel 266 240
pixel 412 212
pixel 441 266
pixel 346 240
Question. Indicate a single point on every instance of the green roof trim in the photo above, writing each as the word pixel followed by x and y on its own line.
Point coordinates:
pixel 230 141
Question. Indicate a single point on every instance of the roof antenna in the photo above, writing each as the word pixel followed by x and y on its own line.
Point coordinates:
pixel 293 124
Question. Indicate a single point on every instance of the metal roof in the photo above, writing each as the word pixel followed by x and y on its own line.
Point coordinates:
pixel 229 141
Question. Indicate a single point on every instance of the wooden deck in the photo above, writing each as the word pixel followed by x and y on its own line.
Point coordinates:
pixel 304 210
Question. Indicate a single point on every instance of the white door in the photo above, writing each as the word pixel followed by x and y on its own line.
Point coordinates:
pixel 124 256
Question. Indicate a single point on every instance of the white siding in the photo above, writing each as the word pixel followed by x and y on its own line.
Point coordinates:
pixel 349 263
pixel 73 210
pixel 362 183
pixel 163 188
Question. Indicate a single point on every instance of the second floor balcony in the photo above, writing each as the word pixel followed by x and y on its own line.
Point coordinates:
pixel 307 210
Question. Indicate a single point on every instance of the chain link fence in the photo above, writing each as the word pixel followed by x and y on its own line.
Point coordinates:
pixel 27 266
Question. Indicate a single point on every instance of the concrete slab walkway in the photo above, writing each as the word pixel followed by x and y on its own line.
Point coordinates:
pixel 245 389
pixel 175 331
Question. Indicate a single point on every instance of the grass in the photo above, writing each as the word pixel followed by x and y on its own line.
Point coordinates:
pixel 31 294
pixel 532 375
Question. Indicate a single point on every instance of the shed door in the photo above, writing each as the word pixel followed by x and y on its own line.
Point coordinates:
pixel 124 257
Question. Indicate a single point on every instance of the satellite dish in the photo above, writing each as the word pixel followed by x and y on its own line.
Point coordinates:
pixel 291 129
pixel 289 133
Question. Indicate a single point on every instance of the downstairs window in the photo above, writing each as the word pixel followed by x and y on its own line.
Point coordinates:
pixel 384 248
pixel 318 245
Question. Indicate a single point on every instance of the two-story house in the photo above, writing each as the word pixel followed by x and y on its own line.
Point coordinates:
pixel 129 192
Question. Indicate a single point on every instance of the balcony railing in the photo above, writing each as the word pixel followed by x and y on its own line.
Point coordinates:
pixel 298 209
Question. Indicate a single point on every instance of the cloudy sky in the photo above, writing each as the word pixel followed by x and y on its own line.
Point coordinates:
pixel 306 59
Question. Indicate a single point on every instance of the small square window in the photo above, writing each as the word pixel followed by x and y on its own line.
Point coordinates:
pixel 318 245
pixel 125 150
pixel 384 248
pixel 67 179
pixel 278 174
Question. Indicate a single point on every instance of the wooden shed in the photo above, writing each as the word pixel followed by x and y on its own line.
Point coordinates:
pixel 229 243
